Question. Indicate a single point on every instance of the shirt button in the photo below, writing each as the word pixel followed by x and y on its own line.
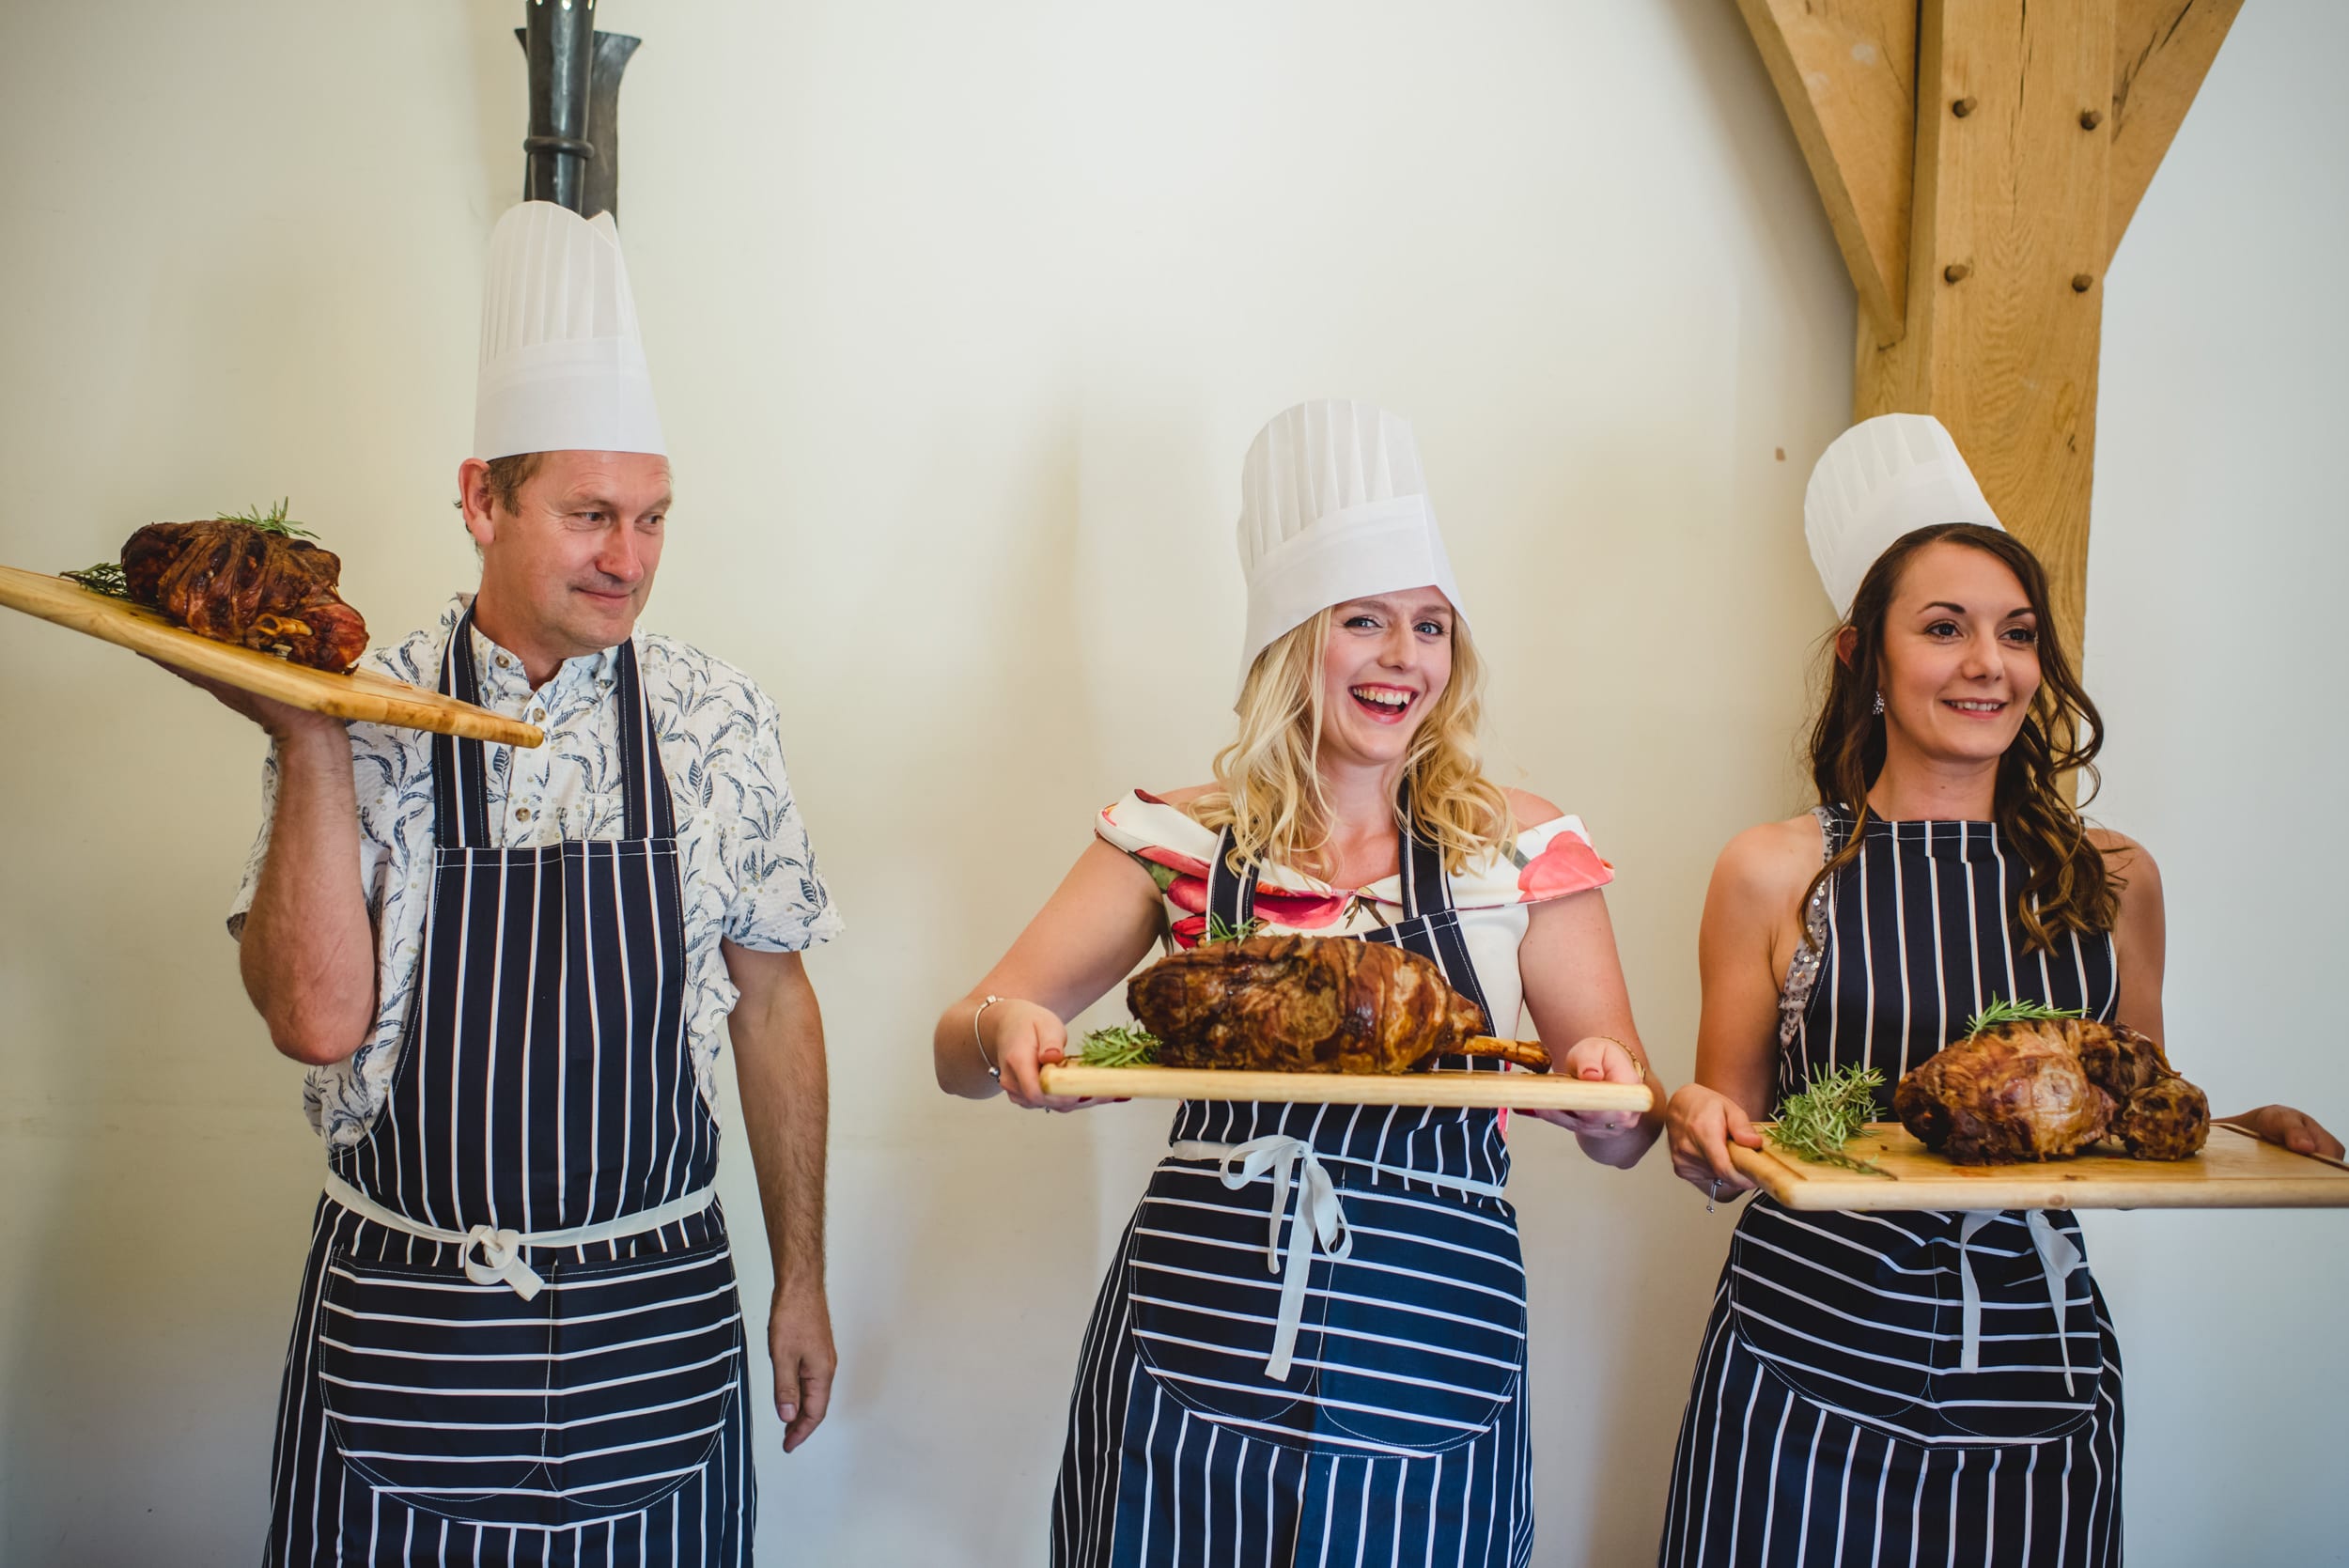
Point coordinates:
pixel 537 715
pixel 521 814
pixel 503 662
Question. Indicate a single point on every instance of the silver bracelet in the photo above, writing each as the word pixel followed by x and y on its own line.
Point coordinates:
pixel 992 1071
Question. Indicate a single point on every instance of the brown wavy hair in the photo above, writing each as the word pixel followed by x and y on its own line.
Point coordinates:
pixel 2066 885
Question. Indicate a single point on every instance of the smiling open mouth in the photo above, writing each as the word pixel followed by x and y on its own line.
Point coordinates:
pixel 1386 704
pixel 1981 707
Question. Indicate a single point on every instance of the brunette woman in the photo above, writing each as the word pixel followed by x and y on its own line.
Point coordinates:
pixel 1373 1412
pixel 1909 1387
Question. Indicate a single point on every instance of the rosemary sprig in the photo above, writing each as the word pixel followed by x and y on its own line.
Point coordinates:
pixel 104 578
pixel 1122 1045
pixel 1221 930
pixel 1832 1108
pixel 2015 1012
pixel 271 521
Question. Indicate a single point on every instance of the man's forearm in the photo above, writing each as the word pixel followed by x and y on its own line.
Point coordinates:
pixel 778 1034
pixel 307 953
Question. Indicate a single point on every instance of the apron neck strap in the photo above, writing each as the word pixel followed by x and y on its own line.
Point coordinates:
pixel 651 813
pixel 1426 888
pixel 1231 896
pixel 1426 898
pixel 461 767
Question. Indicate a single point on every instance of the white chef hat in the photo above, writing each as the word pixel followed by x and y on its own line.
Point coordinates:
pixel 562 362
pixel 1880 479
pixel 1332 507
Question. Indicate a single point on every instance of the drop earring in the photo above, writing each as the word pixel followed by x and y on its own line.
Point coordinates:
pixel 1879 708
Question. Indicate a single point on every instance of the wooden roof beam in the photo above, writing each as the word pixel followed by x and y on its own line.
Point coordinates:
pixel 1846 71
pixel 2162 49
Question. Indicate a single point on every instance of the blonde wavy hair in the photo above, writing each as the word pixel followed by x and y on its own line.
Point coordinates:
pixel 1268 782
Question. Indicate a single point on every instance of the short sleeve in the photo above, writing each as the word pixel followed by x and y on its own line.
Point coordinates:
pixel 780 903
pixel 250 883
pixel 1556 858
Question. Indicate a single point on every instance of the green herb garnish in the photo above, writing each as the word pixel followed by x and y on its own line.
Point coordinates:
pixel 1220 930
pixel 1125 1046
pixel 271 521
pixel 1831 1109
pixel 104 578
pixel 2017 1012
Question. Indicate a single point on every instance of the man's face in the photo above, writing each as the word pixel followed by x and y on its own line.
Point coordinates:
pixel 570 566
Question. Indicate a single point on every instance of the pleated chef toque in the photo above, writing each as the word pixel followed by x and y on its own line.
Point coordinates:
pixel 562 362
pixel 1880 479
pixel 1332 507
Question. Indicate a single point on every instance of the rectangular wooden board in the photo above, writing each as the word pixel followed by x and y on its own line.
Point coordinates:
pixel 2234 1171
pixel 1485 1090
pixel 361 694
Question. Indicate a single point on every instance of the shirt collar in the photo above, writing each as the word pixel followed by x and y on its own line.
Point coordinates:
pixel 506 684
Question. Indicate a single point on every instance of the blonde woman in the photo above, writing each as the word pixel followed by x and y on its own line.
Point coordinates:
pixel 1377 1415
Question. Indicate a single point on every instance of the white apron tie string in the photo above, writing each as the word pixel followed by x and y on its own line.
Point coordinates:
pixel 501 1261
pixel 504 1252
pixel 1321 1221
pixel 2058 1257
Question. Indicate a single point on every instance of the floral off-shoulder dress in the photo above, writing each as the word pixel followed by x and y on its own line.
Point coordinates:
pixel 1350 1387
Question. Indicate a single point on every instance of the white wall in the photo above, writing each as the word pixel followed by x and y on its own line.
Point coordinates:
pixel 2220 544
pixel 962 317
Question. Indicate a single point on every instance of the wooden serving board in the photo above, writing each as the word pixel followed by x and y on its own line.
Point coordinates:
pixel 1485 1090
pixel 361 694
pixel 2234 1171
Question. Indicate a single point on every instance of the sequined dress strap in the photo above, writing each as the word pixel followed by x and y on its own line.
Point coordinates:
pixel 1803 972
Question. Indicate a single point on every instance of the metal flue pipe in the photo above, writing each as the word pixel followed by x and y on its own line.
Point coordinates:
pixel 573 152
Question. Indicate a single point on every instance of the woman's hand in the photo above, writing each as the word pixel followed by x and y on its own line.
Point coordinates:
pixel 1597 1059
pixel 1022 1039
pixel 1701 1124
pixel 2295 1130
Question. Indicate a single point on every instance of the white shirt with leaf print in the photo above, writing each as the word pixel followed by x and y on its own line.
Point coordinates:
pixel 747 873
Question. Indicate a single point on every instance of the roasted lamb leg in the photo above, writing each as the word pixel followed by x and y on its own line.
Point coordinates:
pixel 238 584
pixel 2014 1092
pixel 2159 1115
pixel 1310 1004
pixel 2042 1088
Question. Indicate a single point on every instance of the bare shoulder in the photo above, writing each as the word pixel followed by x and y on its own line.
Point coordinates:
pixel 2132 867
pixel 2122 850
pixel 1770 865
pixel 1531 810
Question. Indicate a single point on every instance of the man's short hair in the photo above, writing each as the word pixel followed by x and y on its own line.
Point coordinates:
pixel 508 476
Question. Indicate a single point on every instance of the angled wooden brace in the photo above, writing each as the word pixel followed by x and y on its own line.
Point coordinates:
pixel 1979 160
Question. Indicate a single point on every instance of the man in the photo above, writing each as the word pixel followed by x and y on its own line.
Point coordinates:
pixel 518 1338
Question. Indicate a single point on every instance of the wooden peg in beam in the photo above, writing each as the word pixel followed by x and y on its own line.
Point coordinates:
pixel 2007 362
pixel 1976 239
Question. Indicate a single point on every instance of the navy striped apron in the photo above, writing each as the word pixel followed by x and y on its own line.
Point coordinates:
pixel 1310 1347
pixel 518 1339
pixel 1907 1387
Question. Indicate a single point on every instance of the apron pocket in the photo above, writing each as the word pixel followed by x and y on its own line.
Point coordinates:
pixel 648 1359
pixel 1842 1308
pixel 1205 1302
pixel 2020 1393
pixel 596 1399
pixel 433 1387
pixel 1425 1339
